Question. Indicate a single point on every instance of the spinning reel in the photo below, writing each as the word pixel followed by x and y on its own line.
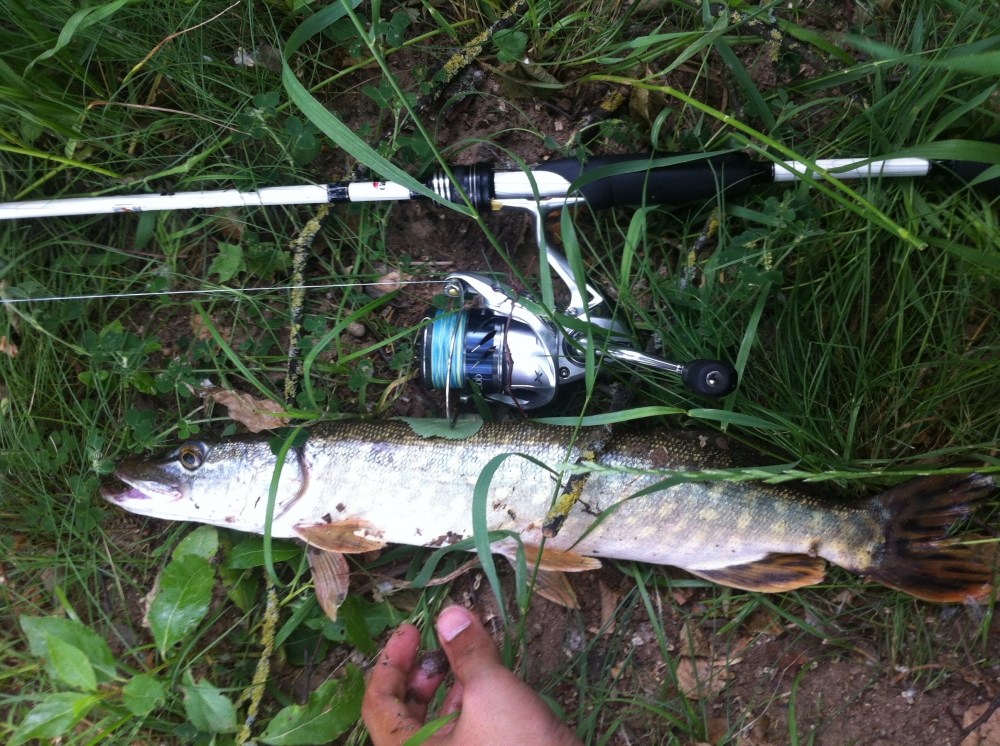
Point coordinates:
pixel 514 352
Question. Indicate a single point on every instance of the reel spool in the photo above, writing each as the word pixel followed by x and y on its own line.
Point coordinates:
pixel 502 358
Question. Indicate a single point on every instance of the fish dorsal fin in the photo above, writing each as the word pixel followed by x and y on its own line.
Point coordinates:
pixel 772 574
pixel 350 536
pixel 557 560
pixel 331 578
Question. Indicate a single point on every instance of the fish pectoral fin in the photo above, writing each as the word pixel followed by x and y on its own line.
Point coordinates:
pixel 552 585
pixel 555 587
pixel 772 574
pixel 331 578
pixel 557 560
pixel 347 536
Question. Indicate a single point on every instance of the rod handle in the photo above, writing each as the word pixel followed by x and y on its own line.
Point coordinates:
pixel 631 181
pixel 969 171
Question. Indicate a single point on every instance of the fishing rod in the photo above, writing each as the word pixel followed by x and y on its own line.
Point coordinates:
pixel 605 181
pixel 497 341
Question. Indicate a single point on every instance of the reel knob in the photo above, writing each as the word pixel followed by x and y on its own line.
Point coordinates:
pixel 712 379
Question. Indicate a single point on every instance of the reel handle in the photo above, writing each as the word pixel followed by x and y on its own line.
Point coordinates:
pixel 712 379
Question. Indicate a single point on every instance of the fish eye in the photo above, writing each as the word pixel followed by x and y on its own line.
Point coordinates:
pixel 191 455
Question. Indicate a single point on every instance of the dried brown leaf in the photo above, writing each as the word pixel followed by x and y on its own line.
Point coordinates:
pixel 609 602
pixel 717 729
pixel 254 414
pixel 390 282
pixel 681 595
pixel 986 733
pixel 199 327
pixel 230 224
pixel 8 348
pixel 693 641
pixel 700 678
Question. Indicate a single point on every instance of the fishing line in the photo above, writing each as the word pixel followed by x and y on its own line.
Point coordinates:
pixel 210 291
pixel 448 329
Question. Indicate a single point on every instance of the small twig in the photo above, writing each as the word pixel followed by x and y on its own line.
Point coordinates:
pixel 255 693
pixel 987 714
pixel 169 38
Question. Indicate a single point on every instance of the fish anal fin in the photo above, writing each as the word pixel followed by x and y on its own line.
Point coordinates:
pixel 773 573
pixel 331 579
pixel 346 536
pixel 556 560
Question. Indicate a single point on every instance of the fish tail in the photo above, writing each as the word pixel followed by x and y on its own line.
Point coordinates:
pixel 919 556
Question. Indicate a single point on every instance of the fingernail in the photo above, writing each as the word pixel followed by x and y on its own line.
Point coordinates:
pixel 452 621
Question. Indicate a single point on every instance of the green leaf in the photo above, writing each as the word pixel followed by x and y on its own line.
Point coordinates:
pixel 249 553
pixel 443 428
pixel 202 542
pixel 611 418
pixel 430 729
pixel 331 710
pixel 511 45
pixel 39 630
pixel 330 125
pixel 70 665
pixel 78 21
pixel 208 709
pixel 182 600
pixel 142 694
pixel 959 59
pixel 734 418
pixel 228 262
pixel 268 100
pixel 360 621
pixel 54 716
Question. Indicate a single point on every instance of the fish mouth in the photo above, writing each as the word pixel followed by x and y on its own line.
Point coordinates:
pixel 121 491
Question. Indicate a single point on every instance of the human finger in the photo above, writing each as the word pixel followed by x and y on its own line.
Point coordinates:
pixel 425 678
pixel 390 718
pixel 467 644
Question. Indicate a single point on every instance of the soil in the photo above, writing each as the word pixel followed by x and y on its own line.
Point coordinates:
pixel 765 682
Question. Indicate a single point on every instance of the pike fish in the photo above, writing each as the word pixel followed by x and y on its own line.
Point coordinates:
pixel 354 486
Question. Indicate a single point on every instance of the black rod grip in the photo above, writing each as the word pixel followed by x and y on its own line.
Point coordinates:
pixel 702 178
pixel 967 172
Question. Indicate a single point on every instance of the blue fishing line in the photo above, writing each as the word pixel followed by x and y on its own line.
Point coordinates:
pixel 448 343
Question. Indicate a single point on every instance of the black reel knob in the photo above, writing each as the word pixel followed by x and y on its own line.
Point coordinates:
pixel 712 379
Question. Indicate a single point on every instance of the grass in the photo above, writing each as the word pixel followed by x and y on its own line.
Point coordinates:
pixel 863 318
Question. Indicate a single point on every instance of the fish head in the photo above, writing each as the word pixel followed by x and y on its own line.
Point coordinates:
pixel 222 483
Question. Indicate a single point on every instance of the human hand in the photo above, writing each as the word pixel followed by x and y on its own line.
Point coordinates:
pixel 493 705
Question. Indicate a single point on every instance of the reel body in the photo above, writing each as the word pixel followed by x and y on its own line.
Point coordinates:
pixel 515 352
